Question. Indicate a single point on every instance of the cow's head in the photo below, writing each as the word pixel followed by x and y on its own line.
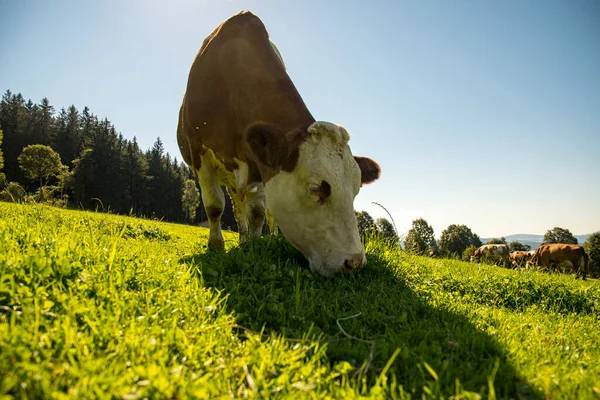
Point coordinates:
pixel 311 179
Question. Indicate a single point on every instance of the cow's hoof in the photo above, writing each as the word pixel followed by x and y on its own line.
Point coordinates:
pixel 216 245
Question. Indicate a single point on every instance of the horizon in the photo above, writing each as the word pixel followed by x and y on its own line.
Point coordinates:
pixel 462 104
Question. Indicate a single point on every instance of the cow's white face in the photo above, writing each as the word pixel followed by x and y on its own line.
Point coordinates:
pixel 313 204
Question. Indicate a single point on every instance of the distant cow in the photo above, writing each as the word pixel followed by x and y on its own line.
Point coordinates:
pixel 243 125
pixel 520 258
pixel 556 255
pixel 491 254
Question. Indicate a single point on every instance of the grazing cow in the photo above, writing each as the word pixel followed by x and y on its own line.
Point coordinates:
pixel 243 125
pixel 520 258
pixel 492 253
pixel 557 255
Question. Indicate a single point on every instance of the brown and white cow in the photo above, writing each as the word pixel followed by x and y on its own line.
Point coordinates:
pixel 243 124
pixel 520 258
pixel 491 254
pixel 557 255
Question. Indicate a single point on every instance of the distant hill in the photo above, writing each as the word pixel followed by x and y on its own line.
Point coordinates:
pixel 534 240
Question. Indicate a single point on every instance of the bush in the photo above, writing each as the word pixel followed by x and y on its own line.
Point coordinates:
pixel 501 240
pixel 518 246
pixel 466 255
pixel 13 192
pixel 592 247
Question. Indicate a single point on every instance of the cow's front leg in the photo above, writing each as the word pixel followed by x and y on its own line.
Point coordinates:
pixel 255 209
pixel 214 202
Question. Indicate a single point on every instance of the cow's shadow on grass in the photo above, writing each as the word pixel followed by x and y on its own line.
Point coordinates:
pixel 270 288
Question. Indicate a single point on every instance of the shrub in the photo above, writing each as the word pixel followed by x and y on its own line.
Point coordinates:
pixel 518 246
pixel 592 247
pixel 466 255
pixel 13 192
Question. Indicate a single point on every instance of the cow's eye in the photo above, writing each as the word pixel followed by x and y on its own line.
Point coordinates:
pixel 314 189
pixel 321 191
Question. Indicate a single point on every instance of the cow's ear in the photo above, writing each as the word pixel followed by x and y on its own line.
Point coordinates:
pixel 268 143
pixel 369 169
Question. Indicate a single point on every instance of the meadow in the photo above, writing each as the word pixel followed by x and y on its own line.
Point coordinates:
pixel 102 306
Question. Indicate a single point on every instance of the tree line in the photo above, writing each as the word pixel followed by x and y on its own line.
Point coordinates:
pixel 74 158
pixel 459 242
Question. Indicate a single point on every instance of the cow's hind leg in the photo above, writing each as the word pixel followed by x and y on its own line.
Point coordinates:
pixel 583 266
pixel 238 200
pixel 249 210
pixel 214 202
pixel 271 222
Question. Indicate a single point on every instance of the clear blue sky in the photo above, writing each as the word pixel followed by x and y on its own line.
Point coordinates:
pixel 484 113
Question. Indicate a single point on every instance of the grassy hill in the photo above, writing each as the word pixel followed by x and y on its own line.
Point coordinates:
pixel 102 306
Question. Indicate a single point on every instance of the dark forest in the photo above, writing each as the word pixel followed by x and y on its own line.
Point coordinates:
pixel 101 169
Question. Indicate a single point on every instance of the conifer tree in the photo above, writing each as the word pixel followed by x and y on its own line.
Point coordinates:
pixel 2 176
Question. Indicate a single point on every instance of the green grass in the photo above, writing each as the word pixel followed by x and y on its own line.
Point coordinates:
pixel 101 306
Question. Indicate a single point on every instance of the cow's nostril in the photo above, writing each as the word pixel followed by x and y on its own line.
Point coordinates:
pixel 359 260
pixel 356 262
pixel 347 266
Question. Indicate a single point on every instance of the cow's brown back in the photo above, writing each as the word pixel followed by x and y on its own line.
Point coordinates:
pixel 236 79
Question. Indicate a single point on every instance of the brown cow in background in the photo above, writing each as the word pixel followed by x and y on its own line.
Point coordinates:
pixel 557 255
pixel 520 258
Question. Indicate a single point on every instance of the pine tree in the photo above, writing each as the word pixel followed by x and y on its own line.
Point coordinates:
pixel 68 140
pixel 2 176
pixel 156 184
pixel 1 157
pixel 13 119
pixel 43 123
pixel 137 172
pixel 89 125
